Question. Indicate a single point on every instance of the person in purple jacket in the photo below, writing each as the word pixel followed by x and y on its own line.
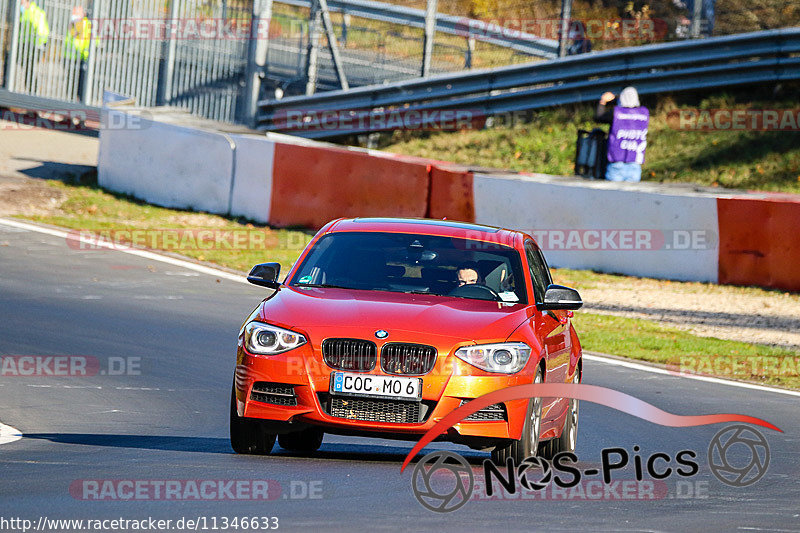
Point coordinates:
pixel 627 138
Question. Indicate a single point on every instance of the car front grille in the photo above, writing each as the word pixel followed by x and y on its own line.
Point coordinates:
pixel 274 393
pixel 493 412
pixel 376 409
pixel 349 354
pixel 407 359
pixel 370 410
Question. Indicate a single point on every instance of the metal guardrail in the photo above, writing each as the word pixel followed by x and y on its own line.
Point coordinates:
pixel 759 57
pixel 462 26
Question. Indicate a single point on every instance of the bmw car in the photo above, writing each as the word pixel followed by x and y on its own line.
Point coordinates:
pixel 384 326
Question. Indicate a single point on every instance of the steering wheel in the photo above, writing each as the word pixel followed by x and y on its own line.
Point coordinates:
pixel 477 291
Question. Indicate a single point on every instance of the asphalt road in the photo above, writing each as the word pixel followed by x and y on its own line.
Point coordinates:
pixel 166 419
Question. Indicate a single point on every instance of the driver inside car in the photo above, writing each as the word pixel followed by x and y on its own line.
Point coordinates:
pixel 467 274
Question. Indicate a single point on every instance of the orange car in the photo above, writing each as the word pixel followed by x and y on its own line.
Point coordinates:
pixel 384 326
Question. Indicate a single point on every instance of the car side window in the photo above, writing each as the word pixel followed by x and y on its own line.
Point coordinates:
pixel 538 271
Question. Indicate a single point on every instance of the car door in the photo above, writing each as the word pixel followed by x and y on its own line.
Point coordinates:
pixel 552 326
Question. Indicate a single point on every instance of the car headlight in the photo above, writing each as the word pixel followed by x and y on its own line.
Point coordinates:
pixel 504 357
pixel 266 339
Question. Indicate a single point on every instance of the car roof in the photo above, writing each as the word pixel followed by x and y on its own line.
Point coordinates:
pixel 428 226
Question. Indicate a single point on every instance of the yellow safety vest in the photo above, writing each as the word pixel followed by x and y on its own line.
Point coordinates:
pixel 33 23
pixel 78 39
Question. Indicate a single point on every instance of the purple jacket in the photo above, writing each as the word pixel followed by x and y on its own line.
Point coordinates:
pixel 627 139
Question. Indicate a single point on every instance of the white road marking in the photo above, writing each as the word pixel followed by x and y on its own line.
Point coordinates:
pixel 708 379
pixel 9 434
pixel 140 253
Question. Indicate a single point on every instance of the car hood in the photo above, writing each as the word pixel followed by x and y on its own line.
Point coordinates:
pixel 328 312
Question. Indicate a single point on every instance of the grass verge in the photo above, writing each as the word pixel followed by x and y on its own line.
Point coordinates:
pixel 545 143
pixel 684 352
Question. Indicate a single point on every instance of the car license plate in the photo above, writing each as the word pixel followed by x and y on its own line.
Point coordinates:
pixel 376 386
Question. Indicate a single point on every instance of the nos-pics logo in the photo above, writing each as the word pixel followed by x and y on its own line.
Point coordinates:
pixel 444 481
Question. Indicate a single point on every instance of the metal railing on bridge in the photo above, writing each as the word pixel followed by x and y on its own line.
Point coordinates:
pixel 192 53
pixel 491 33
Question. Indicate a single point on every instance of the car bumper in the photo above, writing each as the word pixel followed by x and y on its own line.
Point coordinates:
pixel 312 403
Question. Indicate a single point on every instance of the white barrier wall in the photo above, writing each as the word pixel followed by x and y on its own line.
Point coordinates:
pixel 601 226
pixel 252 185
pixel 165 164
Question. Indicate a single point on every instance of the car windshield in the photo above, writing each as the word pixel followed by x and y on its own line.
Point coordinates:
pixel 402 262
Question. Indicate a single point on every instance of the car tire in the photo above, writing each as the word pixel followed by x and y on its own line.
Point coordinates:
pixel 528 443
pixel 306 441
pixel 248 435
pixel 569 435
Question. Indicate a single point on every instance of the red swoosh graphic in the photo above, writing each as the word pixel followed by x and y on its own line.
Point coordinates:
pixel 590 393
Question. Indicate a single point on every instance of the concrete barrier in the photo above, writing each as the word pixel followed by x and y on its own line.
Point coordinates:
pixel 251 195
pixel 313 184
pixel 635 229
pixel 165 164
pixel 605 227
pixel 451 193
pixel 759 242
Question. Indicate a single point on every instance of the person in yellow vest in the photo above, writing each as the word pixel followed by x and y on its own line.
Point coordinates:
pixel 79 36
pixel 33 35
pixel 33 24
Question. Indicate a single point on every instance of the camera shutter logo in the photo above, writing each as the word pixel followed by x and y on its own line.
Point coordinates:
pixel 451 493
pixel 526 467
pixel 738 455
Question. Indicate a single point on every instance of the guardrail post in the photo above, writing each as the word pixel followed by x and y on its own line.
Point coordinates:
pixel 86 81
pixel 345 26
pixel 469 53
pixel 697 18
pixel 430 34
pixel 170 48
pixel 257 51
pixel 11 65
pixel 563 37
pixel 312 56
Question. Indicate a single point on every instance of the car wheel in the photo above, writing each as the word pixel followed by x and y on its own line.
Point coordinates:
pixel 248 435
pixel 308 440
pixel 528 443
pixel 569 435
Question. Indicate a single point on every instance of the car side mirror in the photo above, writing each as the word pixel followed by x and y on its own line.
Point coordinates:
pixel 560 297
pixel 265 275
